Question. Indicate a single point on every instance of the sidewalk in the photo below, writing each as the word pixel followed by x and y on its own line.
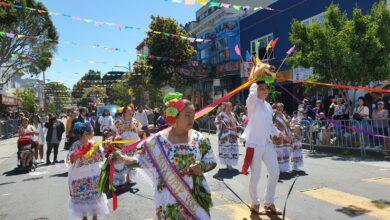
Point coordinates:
pixel 7 148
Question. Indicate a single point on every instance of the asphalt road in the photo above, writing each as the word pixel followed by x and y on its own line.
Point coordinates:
pixel 336 187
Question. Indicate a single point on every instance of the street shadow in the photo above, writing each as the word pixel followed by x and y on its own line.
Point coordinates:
pixel 33 179
pixel 135 192
pixel 65 174
pixel 6 183
pixel 255 216
pixel 226 174
pixel 347 154
pixel 127 188
pixel 14 172
pixel 381 203
pixel 353 211
pixel 4 157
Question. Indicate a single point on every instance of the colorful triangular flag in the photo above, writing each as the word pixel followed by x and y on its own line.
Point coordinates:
pixel 237 50
pixel 247 56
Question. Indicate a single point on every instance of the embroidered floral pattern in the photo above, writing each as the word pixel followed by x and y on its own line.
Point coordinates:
pixel 181 156
pixel 84 190
pixel 227 139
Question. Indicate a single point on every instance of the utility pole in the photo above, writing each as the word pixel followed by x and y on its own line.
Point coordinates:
pixel 44 92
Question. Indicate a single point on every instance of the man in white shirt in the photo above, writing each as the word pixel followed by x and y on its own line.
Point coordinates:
pixel 142 117
pixel 259 145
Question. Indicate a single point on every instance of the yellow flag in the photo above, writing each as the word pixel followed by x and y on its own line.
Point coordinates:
pixel 269 46
pixel 202 2
pixel 257 59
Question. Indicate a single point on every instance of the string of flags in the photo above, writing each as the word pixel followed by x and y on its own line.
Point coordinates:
pixel 35 57
pixel 100 46
pixel 117 26
pixel 97 62
pixel 220 4
pixel 238 7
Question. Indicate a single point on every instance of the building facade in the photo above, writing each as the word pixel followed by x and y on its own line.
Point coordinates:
pixel 263 26
pixel 219 65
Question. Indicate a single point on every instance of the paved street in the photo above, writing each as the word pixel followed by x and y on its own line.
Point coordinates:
pixel 335 188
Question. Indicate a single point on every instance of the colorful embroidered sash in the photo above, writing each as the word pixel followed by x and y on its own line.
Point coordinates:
pixel 175 184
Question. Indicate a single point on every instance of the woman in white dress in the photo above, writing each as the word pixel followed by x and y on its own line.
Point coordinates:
pixel 130 129
pixel 39 138
pixel 227 136
pixel 83 176
pixel 176 160
pixel 105 121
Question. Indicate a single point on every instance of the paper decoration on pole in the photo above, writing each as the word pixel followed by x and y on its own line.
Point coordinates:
pixel 237 50
pixel 274 42
pixel 291 50
pixel 247 56
pixel 269 45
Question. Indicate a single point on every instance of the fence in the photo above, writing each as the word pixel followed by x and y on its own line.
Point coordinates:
pixel 9 128
pixel 206 124
pixel 333 135
pixel 324 134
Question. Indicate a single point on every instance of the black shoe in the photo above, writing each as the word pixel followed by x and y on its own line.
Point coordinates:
pixel 48 163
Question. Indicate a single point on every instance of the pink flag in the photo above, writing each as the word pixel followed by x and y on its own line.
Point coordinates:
pixel 237 49
pixel 225 5
pixel 291 50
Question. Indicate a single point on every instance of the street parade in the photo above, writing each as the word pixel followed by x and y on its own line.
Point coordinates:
pixel 253 110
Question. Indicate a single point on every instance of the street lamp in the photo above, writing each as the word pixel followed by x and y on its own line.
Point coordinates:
pixel 128 68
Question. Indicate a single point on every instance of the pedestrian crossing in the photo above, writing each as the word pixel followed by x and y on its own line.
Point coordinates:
pixel 383 180
pixel 351 205
pixel 354 205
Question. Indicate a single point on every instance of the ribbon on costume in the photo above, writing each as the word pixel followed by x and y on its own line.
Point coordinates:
pixel 248 160
pixel 340 86
pixel 88 149
pixel 114 196
pixel 175 184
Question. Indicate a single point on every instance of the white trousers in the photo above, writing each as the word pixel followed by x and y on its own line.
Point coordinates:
pixel 268 155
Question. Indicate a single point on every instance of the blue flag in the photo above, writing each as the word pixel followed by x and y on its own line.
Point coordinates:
pixel 247 56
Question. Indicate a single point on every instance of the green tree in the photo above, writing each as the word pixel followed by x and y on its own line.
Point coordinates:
pixel 28 100
pixel 167 53
pixel 93 94
pixel 91 78
pixel 60 94
pixel 121 94
pixel 139 81
pixel 25 54
pixel 52 108
pixel 352 51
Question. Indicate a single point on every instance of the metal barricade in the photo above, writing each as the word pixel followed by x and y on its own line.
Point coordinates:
pixel 206 124
pixel 347 134
pixel 9 128
pixel 380 141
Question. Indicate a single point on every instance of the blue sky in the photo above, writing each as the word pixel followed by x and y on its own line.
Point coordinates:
pixel 127 12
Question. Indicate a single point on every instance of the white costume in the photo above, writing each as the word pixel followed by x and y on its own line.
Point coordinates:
pixel 257 136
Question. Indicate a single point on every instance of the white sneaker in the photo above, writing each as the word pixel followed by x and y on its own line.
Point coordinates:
pixel 42 161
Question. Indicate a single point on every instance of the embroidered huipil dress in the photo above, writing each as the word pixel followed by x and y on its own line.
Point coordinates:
pixel 296 157
pixel 181 156
pixel 131 133
pixel 283 154
pixel 83 179
pixel 227 139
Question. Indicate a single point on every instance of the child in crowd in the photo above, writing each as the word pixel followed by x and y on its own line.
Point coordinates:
pixel 84 172
pixel 282 145
pixel 296 157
